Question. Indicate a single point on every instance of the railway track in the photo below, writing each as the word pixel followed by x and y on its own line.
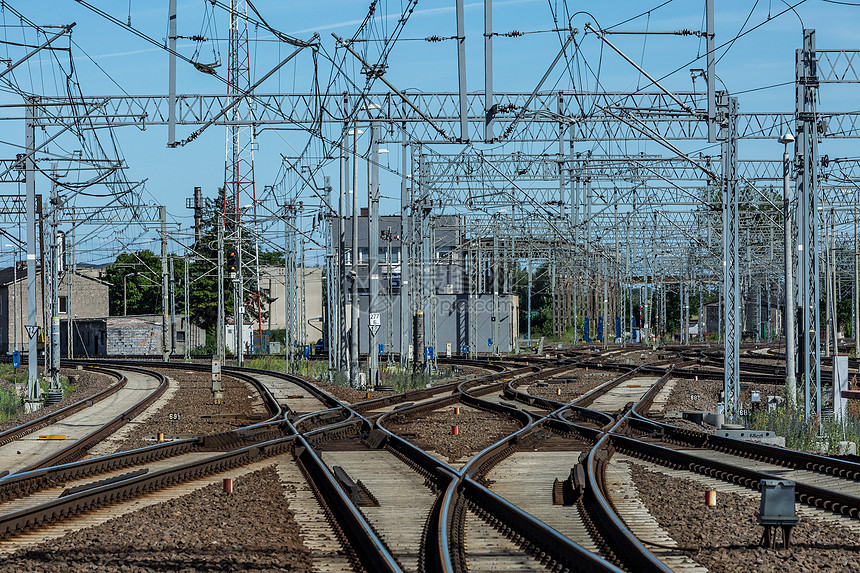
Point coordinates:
pixel 544 497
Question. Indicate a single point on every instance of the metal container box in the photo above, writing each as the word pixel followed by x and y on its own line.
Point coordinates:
pixel 777 502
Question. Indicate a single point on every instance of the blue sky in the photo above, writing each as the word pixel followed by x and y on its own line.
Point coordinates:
pixel 109 60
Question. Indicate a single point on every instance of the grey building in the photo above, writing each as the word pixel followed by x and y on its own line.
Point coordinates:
pixel 89 299
pixel 128 335
pixel 446 279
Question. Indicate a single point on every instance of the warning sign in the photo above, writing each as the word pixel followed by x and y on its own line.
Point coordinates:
pixel 32 330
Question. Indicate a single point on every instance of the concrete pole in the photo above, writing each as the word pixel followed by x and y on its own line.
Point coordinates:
pixel 790 339
pixel 32 403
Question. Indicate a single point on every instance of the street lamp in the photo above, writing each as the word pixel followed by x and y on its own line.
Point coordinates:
pixel 125 293
pixel 790 380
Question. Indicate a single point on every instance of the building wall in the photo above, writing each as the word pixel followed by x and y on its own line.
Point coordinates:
pixel 89 299
pixel 309 281
pixel 452 323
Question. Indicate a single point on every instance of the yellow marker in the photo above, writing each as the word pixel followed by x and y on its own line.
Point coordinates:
pixel 52 437
pixel 634 385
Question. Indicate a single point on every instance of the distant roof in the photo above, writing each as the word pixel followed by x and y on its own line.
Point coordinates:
pixel 7 276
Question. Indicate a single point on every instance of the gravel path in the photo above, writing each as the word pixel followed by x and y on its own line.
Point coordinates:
pixel 725 538
pixel 251 529
pixel 477 429
pixel 190 403
pixel 89 383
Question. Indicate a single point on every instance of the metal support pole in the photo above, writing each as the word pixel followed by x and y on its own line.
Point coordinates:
pixel 342 350
pixel 55 288
pixel 32 313
pixel 165 333
pixel 171 74
pixel 496 318
pixel 489 112
pixel 529 316
pixel 187 308
pixel 373 259
pixel 405 259
pixel 856 305
pixel 353 344
pixel 172 306
pixel 219 333
pixel 806 151
pixel 731 275
pixel 461 72
pixel 711 73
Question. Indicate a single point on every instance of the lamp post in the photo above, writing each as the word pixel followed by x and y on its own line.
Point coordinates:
pixel 125 293
pixel 790 380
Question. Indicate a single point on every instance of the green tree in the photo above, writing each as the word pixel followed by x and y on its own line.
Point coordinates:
pixel 135 283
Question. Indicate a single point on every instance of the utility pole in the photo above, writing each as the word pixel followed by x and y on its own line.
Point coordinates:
pixel 32 402
pixel 187 308
pixel 55 287
pixel 165 334
pixel 489 112
pixel 172 307
pixel 373 246
pixel 461 75
pixel 353 345
pixel 405 245
pixel 220 328
pixel 856 305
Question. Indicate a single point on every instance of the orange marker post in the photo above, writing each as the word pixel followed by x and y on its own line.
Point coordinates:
pixel 711 498
pixel 457 411
pixel 228 485
pixel 160 437
pixel 456 430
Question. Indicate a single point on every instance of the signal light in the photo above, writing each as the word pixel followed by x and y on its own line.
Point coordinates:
pixel 232 260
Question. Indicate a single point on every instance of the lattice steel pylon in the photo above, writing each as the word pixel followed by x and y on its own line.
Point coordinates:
pixel 239 188
pixel 731 247
pixel 806 184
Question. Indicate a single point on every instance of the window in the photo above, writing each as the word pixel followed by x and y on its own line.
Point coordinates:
pixel 180 336
pixel 63 306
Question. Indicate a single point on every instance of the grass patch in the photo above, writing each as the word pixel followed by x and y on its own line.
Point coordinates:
pixel 812 435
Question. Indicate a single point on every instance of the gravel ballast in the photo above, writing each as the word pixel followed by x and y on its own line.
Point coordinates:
pixel 251 529
pixel 183 415
pixel 477 429
pixel 572 384
pixel 726 538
